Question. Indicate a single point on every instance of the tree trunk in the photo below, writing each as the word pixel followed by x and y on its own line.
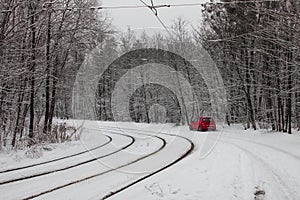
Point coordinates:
pixel 53 95
pixel 289 100
pixel 47 84
pixel 32 69
pixel 17 125
pixel 248 87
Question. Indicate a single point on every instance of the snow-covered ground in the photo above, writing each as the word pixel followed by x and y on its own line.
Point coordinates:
pixel 230 163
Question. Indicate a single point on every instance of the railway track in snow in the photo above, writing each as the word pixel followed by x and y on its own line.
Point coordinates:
pixel 26 179
pixel 23 176
pixel 61 186
pixel 58 159
pixel 184 154
pixel 163 144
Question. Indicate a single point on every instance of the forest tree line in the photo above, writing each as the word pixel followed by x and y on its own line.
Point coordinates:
pixel 257 46
pixel 43 43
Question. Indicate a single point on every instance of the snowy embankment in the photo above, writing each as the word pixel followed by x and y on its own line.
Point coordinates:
pixel 227 164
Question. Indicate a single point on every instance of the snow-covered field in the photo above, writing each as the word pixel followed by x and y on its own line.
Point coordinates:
pixel 124 161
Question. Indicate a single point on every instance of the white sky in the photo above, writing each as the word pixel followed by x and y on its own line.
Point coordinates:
pixel 143 18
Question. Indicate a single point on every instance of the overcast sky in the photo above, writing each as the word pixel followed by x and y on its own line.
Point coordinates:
pixel 143 18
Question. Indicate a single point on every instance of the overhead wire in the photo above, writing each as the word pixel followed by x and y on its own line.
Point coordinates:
pixel 163 5
pixel 221 3
pixel 154 10
pixel 182 4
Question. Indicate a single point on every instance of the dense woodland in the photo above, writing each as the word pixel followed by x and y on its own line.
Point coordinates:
pixel 257 48
pixel 43 44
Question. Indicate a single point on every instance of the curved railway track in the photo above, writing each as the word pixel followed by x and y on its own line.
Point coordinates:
pixel 131 162
pixel 185 154
pixel 58 159
pixel 24 177
pixel 102 173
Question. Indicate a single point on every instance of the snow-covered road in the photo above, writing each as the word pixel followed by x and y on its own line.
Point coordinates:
pixel 232 165
pixel 125 161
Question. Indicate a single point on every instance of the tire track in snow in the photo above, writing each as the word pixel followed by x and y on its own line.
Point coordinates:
pixel 286 190
pixel 266 145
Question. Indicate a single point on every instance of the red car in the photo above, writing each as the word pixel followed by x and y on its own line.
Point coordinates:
pixel 203 124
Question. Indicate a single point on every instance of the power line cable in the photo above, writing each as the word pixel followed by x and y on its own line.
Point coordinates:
pixel 183 4
pixel 154 10
pixel 161 5
pixel 222 3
